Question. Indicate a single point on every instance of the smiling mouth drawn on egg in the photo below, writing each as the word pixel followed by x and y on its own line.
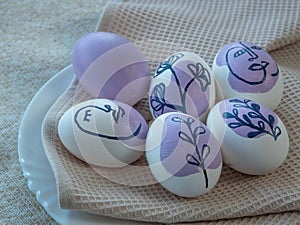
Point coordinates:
pixel 116 114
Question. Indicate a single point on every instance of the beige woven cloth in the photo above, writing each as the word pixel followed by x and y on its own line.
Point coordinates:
pixel 158 29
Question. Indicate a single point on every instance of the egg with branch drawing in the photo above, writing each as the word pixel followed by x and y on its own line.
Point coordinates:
pixel 183 155
pixel 253 138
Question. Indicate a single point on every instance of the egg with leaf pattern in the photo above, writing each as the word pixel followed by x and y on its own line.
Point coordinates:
pixel 183 154
pixel 253 138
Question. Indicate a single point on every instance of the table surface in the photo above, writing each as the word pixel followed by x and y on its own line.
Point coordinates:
pixel 36 40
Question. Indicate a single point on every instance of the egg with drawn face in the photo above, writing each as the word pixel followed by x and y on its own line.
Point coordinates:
pixel 183 155
pixel 253 138
pixel 245 70
pixel 184 83
pixel 103 132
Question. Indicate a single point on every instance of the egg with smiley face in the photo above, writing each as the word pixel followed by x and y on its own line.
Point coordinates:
pixel 103 132
pixel 245 70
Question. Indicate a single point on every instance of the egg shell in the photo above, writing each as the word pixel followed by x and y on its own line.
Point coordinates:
pixel 253 139
pixel 244 70
pixel 183 155
pixel 103 132
pixel 184 83
pixel 109 66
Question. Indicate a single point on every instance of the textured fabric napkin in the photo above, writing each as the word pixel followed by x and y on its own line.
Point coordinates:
pixel 159 29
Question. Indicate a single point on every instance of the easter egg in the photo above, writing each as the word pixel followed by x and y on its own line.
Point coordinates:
pixel 103 132
pixel 109 66
pixel 253 138
pixel 244 70
pixel 183 83
pixel 183 155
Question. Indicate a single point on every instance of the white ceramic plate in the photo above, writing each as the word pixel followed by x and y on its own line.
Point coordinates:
pixel 35 165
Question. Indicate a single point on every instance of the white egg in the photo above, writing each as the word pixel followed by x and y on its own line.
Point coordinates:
pixel 253 138
pixel 184 83
pixel 183 155
pixel 244 70
pixel 103 132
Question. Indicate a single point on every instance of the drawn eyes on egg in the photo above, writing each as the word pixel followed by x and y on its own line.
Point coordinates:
pixel 243 50
pixel 256 47
pixel 239 53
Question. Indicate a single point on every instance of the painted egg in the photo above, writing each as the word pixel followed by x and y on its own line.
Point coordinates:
pixel 183 154
pixel 253 138
pixel 183 83
pixel 109 66
pixel 244 70
pixel 103 132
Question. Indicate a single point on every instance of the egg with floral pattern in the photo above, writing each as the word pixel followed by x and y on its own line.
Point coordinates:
pixel 184 83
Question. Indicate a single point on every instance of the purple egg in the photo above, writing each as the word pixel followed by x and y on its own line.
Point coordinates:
pixel 109 66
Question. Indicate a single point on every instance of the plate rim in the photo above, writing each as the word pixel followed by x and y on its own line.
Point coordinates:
pixel 61 81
